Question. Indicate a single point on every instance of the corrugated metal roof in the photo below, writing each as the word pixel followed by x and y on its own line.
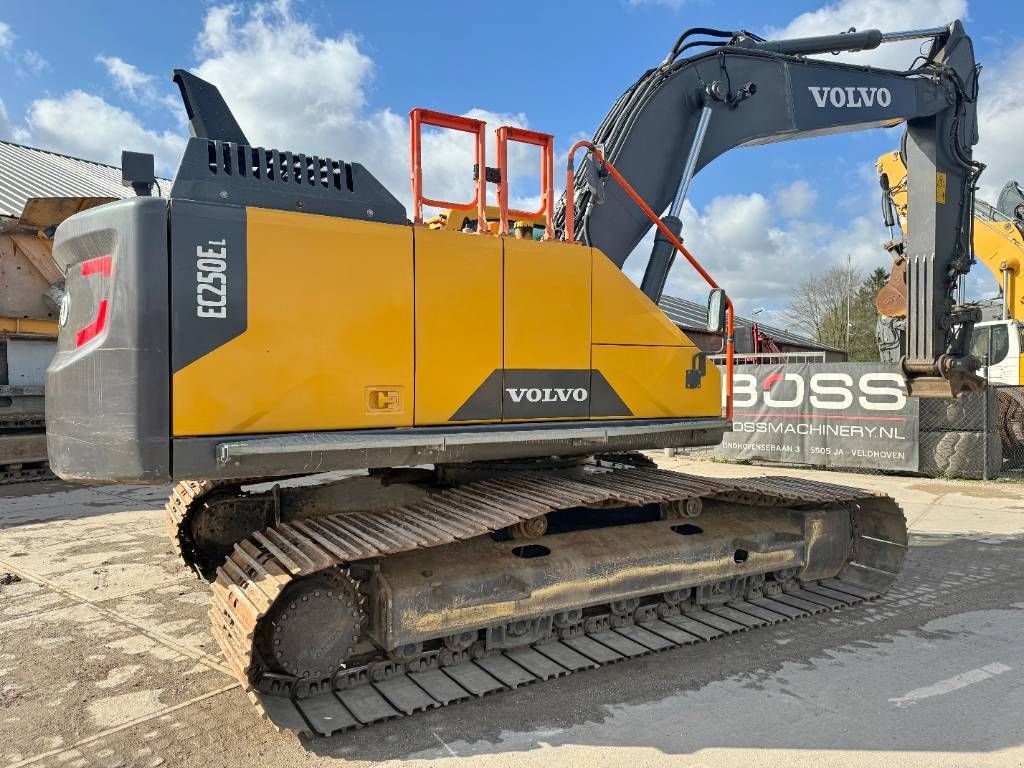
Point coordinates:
pixel 689 314
pixel 27 172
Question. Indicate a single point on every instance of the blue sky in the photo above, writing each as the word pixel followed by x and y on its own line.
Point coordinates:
pixel 91 77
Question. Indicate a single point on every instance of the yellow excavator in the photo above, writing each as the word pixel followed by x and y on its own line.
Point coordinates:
pixel 465 411
pixel 453 219
pixel 998 339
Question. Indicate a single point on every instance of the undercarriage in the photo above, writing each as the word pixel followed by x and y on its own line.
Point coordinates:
pixel 375 596
pixel 22 438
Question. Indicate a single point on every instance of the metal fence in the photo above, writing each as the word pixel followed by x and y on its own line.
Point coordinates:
pixel 958 438
pixel 773 358
pixel 1009 425
pixel 976 436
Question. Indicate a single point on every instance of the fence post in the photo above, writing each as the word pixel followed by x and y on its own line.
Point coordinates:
pixel 984 416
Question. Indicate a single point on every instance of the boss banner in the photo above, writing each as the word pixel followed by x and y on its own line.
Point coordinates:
pixel 827 414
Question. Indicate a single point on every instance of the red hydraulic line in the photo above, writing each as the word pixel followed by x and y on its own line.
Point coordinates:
pixel 570 236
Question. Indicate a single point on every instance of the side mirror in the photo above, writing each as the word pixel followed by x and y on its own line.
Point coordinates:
pixel 716 311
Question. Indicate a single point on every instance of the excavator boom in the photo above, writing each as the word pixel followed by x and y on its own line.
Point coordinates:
pixel 744 91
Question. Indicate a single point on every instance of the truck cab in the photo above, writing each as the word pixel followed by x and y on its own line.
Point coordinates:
pixel 999 342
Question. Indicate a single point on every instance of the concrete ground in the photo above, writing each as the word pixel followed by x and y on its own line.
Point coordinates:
pixel 105 660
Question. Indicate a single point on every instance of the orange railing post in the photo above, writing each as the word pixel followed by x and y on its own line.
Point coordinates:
pixel 546 142
pixel 417 119
pixel 570 235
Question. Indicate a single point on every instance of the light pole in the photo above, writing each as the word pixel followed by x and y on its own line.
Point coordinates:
pixel 849 290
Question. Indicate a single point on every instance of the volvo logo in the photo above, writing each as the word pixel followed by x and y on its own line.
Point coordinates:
pixel 850 97
pixel 547 395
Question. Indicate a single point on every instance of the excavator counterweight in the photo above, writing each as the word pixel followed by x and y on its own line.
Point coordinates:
pixel 478 400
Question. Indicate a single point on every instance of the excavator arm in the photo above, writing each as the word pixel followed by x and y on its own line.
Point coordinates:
pixel 743 91
pixel 998 239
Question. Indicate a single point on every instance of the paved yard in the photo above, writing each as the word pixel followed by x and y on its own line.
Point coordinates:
pixel 105 659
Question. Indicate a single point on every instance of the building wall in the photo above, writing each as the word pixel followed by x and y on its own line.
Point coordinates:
pixel 712 344
pixel 26 272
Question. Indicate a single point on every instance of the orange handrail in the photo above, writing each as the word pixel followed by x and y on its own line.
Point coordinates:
pixel 420 117
pixel 546 142
pixel 570 236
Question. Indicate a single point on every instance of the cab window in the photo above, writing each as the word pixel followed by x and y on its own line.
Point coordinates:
pixel 1000 341
pixel 979 342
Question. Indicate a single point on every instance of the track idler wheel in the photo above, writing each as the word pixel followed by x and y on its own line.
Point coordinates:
pixel 314 626
pixel 221 522
pixel 681 508
pixel 533 528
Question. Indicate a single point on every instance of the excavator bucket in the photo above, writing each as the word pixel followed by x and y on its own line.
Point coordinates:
pixel 941 387
pixel 891 300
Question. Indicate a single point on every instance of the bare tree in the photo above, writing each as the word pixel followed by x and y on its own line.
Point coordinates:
pixel 837 307
pixel 819 303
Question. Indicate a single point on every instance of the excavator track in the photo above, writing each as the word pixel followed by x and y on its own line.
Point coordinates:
pixel 250 584
pixel 25 472
pixel 185 501
pixel 22 470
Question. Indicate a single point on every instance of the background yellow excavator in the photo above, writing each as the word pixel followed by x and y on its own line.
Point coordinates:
pixel 483 396
pixel 522 227
pixel 998 339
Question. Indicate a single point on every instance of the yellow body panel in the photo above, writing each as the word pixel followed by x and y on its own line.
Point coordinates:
pixel 651 380
pixel 622 314
pixel 330 318
pixel 354 325
pixel 458 320
pixel 547 305
pixel 999 245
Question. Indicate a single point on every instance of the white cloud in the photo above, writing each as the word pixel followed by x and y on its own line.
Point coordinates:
pixel 739 240
pixel 289 88
pixel 673 4
pixel 311 96
pixel 1000 118
pixel 34 62
pixel 6 37
pixel 875 14
pixel 217 28
pixel 796 200
pixel 85 125
pixel 128 77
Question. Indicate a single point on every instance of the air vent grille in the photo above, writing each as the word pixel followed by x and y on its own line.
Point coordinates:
pixel 274 166
pixel 229 173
